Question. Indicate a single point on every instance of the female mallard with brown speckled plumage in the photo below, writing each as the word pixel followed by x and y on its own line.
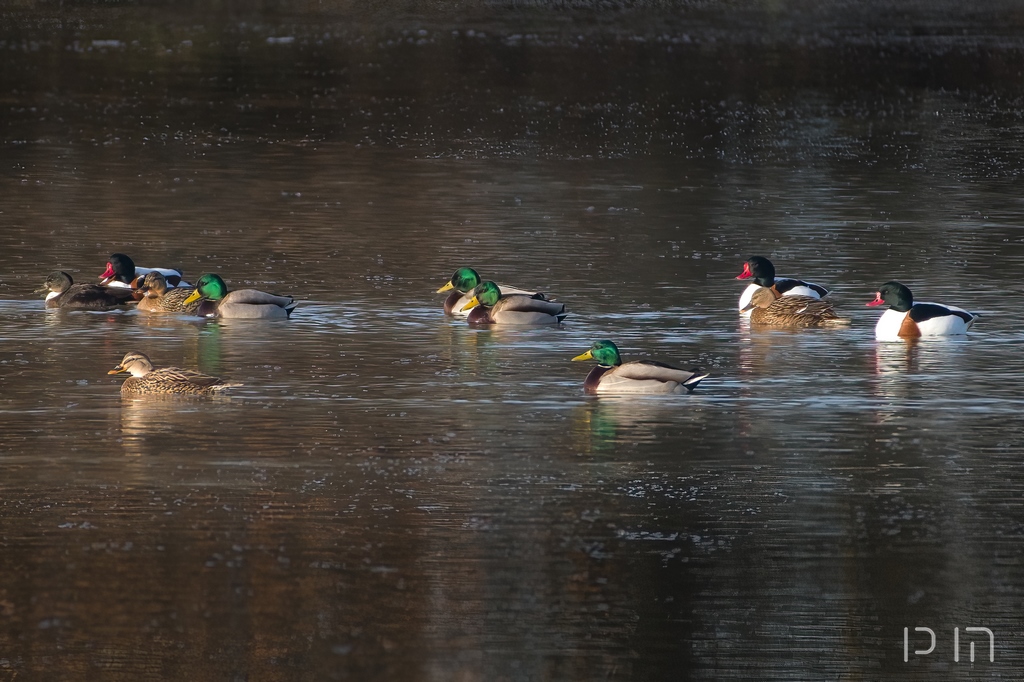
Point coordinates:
pixel 144 379
pixel 640 376
pixel 250 304
pixel 157 298
pixel 792 311
pixel 490 306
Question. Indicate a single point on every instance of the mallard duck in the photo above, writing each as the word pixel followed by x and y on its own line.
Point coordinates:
pixel 121 272
pixel 490 306
pixel 462 284
pixel 64 293
pixel 145 379
pixel 908 320
pixel 249 304
pixel 792 311
pixel 157 298
pixel 640 376
pixel 763 272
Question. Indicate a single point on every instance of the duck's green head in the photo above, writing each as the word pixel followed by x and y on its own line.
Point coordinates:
pixel 209 286
pixel 896 295
pixel 464 280
pixel 487 294
pixel 605 352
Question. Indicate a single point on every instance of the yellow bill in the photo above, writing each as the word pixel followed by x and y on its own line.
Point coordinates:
pixel 585 356
pixel 194 296
pixel 446 287
pixel 472 304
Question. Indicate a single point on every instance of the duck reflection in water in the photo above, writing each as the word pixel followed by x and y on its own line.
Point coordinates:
pixel 896 358
pixel 769 353
pixel 152 424
pixel 905 372
pixel 471 352
pixel 601 426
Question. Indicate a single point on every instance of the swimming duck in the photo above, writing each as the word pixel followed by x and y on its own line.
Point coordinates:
pixel 763 272
pixel 121 272
pixel 791 311
pixel 490 306
pixel 640 376
pixel 157 298
pixel 908 320
pixel 250 304
pixel 145 379
pixel 64 293
pixel 462 284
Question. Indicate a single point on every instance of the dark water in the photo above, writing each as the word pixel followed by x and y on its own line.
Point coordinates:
pixel 393 495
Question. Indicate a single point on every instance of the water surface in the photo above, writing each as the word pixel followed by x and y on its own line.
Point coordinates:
pixel 394 495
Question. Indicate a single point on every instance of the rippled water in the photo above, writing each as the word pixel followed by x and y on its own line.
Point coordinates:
pixel 394 495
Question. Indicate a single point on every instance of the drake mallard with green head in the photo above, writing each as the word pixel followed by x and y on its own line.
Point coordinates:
pixel 157 298
pixel 248 304
pixel 62 292
pixel 145 379
pixel 462 284
pixel 639 376
pixel 489 305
